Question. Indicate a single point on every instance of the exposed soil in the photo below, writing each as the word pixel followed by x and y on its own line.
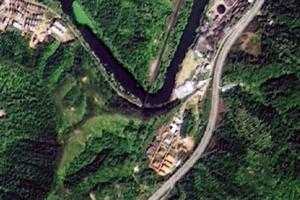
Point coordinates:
pixel 188 66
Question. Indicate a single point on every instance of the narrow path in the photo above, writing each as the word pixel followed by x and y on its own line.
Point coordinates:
pixel 218 64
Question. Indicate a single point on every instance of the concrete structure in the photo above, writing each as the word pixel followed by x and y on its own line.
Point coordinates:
pixel 2 114
pixel 32 19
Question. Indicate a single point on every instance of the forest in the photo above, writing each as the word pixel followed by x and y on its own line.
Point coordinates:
pixel 65 124
pixel 28 149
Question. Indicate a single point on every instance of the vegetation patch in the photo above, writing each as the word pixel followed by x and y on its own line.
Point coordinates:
pixel 255 153
pixel 28 130
pixel 81 16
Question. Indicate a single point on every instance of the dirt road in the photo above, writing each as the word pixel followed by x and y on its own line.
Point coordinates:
pixel 218 64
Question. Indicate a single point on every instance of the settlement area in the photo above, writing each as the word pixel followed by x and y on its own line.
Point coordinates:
pixel 169 149
pixel 34 20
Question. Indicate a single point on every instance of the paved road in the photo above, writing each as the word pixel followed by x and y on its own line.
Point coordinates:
pixel 218 64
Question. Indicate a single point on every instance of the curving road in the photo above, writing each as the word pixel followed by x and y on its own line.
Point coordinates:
pixel 218 64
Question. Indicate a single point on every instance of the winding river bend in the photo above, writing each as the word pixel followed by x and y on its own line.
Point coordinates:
pixel 123 76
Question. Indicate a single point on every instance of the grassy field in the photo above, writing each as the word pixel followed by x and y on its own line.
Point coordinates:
pixel 82 17
pixel 92 127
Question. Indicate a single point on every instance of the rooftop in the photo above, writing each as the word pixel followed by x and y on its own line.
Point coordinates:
pixel 2 113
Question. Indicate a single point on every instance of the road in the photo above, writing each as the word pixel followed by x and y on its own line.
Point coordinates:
pixel 218 64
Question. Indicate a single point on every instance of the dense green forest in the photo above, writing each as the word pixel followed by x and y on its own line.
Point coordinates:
pixel 62 131
pixel 28 149
pixel 45 93
pixel 134 30
pixel 63 126
pixel 255 150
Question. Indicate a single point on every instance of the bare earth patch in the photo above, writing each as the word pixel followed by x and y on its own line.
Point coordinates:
pixel 188 66
pixel 2 113
pixel 250 43
pixel 152 69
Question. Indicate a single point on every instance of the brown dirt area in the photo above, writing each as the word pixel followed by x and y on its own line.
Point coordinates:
pixel 188 66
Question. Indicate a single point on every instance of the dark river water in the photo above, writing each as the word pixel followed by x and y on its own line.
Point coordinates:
pixel 123 76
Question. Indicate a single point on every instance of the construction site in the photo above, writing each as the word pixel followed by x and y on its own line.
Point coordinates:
pixel 34 20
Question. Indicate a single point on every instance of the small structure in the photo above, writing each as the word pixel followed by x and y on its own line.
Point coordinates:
pixel 2 114
pixel 169 149
pixel 33 19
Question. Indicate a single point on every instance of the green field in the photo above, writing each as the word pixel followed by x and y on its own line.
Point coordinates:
pixel 82 17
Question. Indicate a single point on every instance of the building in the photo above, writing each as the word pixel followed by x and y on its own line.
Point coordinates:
pixel 32 19
pixel 2 114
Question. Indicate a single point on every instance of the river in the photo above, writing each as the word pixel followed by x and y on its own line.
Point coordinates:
pixel 123 76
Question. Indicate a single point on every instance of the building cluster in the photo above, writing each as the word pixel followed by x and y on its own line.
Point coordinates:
pixel 32 19
pixel 221 15
pixel 169 148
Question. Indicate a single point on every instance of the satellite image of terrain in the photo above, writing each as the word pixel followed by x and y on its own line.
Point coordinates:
pixel 149 99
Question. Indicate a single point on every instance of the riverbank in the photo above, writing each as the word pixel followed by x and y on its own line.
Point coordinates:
pixel 128 84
